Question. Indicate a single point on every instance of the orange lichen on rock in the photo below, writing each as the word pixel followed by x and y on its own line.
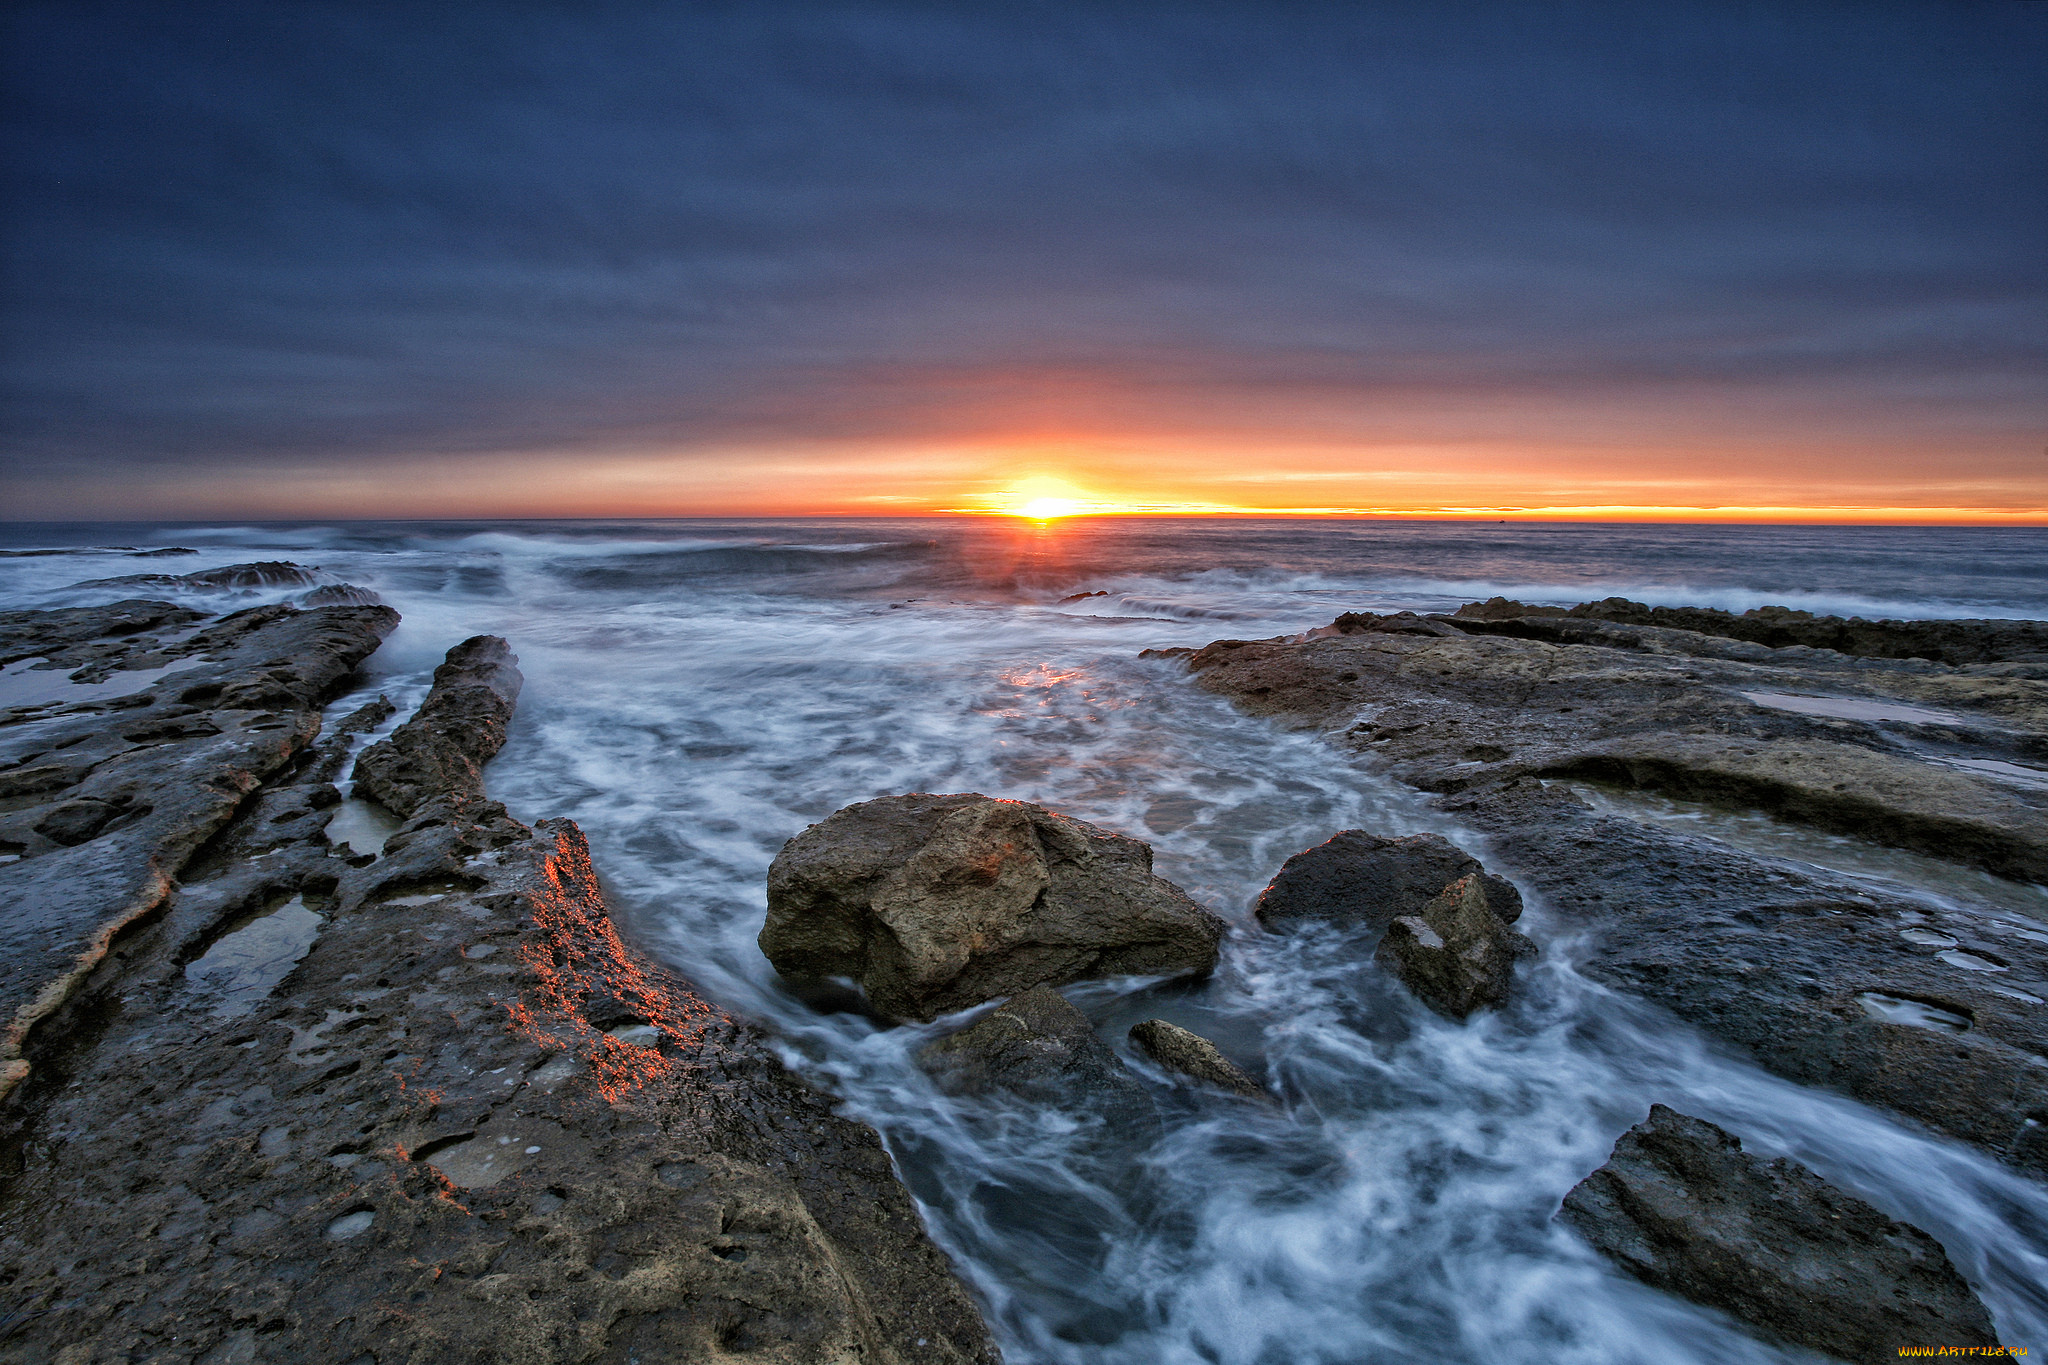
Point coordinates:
pixel 621 1067
pixel 585 981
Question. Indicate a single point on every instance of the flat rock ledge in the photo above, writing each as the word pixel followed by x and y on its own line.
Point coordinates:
pixel 939 903
pixel 1597 751
pixel 1682 1207
pixel 1948 642
pixel 104 801
pixel 421 1106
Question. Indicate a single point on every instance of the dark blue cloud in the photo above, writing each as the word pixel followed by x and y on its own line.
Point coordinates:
pixel 297 232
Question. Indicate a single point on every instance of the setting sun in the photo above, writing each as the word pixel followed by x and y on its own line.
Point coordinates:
pixel 1039 497
pixel 1045 509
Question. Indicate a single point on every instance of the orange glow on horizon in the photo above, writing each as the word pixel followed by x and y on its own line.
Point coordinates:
pixel 1079 475
pixel 1025 501
pixel 1606 512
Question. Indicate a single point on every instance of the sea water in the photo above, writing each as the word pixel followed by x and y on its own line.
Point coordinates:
pixel 698 692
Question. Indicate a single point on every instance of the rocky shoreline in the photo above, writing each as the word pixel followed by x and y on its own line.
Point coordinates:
pixel 1536 728
pixel 1544 730
pixel 278 1090
pixel 273 1098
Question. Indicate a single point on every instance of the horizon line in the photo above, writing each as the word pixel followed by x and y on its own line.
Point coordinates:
pixel 1956 518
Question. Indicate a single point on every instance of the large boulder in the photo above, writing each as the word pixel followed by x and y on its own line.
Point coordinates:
pixel 1682 1207
pixel 1356 878
pixel 1038 1047
pixel 1187 1053
pixel 936 903
pixel 1457 954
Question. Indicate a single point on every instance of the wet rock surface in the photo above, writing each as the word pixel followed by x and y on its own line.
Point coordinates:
pixel 1456 955
pixel 266 573
pixel 938 903
pixel 1794 965
pixel 1361 879
pixel 1890 750
pixel 78 636
pixel 1187 1053
pixel 1539 745
pixel 1038 1047
pixel 424 1106
pixel 339 594
pixel 441 751
pixel 1682 1207
pixel 106 801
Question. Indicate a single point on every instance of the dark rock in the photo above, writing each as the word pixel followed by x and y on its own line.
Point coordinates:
pixel 285 815
pixel 1399 623
pixel 37 778
pixel 1083 596
pixel 1680 1206
pixel 169 722
pixel 418 1148
pixel 1948 642
pixel 117 798
pixel 1189 1054
pixel 937 903
pixel 145 635
pixel 263 574
pixel 1038 1047
pixel 74 822
pixel 340 595
pixel 1952 642
pixel 459 728
pixel 368 716
pixel 338 745
pixel 59 635
pixel 1793 965
pixel 1503 609
pixel 1456 955
pixel 1356 878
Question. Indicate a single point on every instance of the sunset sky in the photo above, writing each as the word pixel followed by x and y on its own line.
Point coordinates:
pixel 1725 260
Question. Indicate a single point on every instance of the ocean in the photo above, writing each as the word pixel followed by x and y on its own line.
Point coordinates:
pixel 699 691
